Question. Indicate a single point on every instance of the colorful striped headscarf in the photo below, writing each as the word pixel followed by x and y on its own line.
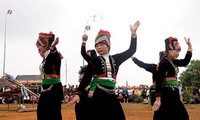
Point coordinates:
pixel 104 37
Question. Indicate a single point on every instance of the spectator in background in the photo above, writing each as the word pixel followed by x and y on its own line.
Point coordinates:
pixel 180 89
pixel 125 94
pixel 196 94
pixel 120 97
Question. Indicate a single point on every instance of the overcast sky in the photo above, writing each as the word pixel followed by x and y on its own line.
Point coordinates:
pixel 67 18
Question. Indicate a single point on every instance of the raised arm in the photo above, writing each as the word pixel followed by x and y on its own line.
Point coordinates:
pixel 121 57
pixel 147 66
pixel 187 40
pixel 188 56
pixel 134 27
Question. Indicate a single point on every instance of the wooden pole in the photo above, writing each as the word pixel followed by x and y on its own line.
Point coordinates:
pixel 21 85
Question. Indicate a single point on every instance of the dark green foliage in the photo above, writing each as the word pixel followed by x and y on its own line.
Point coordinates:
pixel 191 76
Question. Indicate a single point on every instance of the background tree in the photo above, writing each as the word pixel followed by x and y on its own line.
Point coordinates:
pixel 191 76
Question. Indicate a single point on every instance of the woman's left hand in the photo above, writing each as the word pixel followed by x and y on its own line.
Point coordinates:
pixel 55 42
pixel 187 40
pixel 76 99
pixel 134 27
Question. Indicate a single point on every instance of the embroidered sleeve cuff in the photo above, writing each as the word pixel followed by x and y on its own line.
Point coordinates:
pixel 189 50
pixel 158 94
pixel 134 35
pixel 83 43
pixel 52 49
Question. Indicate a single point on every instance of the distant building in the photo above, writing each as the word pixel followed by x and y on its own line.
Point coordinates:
pixel 31 80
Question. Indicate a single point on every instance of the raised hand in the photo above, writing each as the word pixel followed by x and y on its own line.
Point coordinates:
pixel 55 42
pixel 84 38
pixel 134 27
pixel 187 40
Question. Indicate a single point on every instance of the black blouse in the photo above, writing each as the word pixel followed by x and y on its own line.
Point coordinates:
pixel 52 63
pixel 99 66
pixel 168 69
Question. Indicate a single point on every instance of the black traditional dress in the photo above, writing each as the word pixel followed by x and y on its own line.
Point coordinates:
pixel 49 105
pixel 104 69
pixel 81 108
pixel 171 107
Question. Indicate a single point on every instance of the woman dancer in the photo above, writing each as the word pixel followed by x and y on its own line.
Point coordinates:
pixel 168 105
pixel 104 103
pixel 49 105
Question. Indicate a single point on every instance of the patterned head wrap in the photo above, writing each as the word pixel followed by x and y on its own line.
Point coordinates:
pixel 172 43
pixel 45 42
pixel 104 37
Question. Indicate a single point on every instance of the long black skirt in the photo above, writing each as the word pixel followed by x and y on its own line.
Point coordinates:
pixel 105 106
pixel 49 105
pixel 171 107
pixel 82 109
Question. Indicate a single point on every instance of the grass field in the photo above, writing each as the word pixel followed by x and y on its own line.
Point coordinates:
pixel 132 112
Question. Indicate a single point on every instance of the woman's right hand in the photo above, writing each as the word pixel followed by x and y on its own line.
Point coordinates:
pixel 157 104
pixel 76 99
pixel 84 38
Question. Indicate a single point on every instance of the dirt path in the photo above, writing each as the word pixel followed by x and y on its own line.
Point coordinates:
pixel 132 112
